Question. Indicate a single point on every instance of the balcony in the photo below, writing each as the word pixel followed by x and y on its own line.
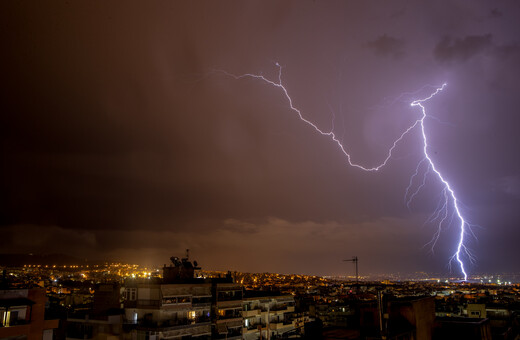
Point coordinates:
pixel 16 322
pixel 275 312
pixel 230 323
pixel 232 333
pixel 279 309
pixel 201 302
pixel 202 305
pixel 12 331
pixel 202 319
pixel 229 313
pixel 173 324
pixel 152 304
pixel 230 304
pixel 279 325
pixel 189 330
pixel 225 295
pixel 248 313
pixel 255 326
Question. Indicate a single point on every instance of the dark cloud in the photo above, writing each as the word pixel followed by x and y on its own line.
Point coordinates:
pixel 508 51
pixel 450 50
pixel 45 239
pixel 117 139
pixel 387 46
pixel 301 242
pixel 496 13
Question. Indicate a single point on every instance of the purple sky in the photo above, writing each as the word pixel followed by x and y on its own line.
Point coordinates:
pixel 119 140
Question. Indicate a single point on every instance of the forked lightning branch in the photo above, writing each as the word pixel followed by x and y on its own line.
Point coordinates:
pixel 448 208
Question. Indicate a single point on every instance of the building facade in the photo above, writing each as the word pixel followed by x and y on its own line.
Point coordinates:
pixel 183 307
pixel 22 315
pixel 268 317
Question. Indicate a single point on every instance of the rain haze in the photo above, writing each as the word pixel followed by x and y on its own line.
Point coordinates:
pixel 123 137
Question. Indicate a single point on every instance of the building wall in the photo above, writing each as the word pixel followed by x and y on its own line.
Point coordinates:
pixel 227 310
pixel 263 311
pixel 34 329
pixel 170 310
pixel 476 310
pixel 421 314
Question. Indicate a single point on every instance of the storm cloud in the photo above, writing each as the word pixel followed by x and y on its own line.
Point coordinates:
pixel 119 135
pixel 461 49
pixel 386 46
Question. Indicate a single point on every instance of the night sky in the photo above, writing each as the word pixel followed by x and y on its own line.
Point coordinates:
pixel 120 138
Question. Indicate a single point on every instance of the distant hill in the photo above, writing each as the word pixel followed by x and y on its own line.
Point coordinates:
pixel 16 260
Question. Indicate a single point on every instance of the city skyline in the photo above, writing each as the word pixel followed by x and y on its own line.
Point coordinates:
pixel 120 140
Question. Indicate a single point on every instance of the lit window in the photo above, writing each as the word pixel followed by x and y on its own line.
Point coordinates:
pixel 5 317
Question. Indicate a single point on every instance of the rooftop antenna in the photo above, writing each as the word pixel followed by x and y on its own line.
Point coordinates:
pixel 354 259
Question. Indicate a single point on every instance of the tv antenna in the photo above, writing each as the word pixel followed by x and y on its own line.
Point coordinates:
pixel 354 259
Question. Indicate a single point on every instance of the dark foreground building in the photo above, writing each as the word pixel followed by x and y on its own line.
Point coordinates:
pixel 180 306
pixel 22 315
pixel 447 328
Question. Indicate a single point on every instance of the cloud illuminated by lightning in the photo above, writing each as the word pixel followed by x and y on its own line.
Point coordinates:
pixel 448 199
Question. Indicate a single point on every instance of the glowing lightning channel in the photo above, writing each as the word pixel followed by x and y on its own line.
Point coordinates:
pixel 331 133
pixel 447 188
pixel 441 213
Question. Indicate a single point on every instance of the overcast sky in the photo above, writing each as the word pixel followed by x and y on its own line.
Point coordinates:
pixel 121 139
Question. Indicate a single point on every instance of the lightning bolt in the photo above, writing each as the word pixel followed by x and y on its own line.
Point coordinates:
pixel 448 195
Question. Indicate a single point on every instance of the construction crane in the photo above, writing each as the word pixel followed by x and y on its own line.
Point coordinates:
pixel 354 259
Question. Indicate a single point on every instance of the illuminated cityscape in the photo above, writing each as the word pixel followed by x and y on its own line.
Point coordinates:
pixel 259 170
pixel 181 300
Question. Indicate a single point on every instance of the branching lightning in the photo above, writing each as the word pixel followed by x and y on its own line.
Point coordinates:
pixel 448 199
pixel 448 193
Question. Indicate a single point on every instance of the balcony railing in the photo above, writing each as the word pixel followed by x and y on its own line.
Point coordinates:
pixel 279 324
pixel 255 326
pixel 16 322
pixel 278 308
pixel 148 303
pixel 254 312
pixel 201 304
pixel 172 325
pixel 231 334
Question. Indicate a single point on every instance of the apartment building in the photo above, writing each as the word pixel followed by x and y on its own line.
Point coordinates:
pixel 182 306
pixel 267 317
pixel 22 315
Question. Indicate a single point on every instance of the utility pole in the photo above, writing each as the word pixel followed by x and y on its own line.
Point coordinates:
pixel 354 259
